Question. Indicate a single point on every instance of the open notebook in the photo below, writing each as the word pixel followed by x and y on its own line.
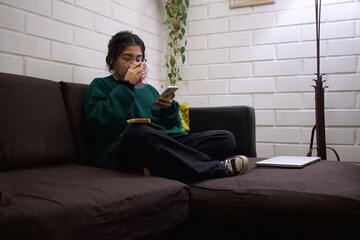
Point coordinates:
pixel 287 161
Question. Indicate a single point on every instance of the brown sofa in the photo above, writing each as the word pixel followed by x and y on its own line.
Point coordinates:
pixel 50 188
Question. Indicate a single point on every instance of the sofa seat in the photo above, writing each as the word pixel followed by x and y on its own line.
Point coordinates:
pixel 322 199
pixel 79 202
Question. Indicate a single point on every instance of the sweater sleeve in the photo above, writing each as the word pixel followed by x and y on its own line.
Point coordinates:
pixel 107 107
pixel 170 116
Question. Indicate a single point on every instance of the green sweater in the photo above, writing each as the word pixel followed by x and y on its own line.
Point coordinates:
pixel 109 103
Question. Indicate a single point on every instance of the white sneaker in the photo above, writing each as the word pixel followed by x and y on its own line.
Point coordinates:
pixel 236 165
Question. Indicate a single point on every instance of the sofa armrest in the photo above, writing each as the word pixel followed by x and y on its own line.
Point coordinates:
pixel 240 120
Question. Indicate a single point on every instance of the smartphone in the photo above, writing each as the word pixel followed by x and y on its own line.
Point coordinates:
pixel 168 91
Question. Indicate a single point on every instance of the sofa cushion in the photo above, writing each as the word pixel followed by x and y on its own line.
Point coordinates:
pixel 322 198
pixel 33 123
pixel 80 202
pixel 74 95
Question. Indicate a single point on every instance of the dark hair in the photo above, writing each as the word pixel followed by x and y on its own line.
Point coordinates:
pixel 119 42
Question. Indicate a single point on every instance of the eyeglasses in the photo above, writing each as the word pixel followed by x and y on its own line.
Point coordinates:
pixel 132 59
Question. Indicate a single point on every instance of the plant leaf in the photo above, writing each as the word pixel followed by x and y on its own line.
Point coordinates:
pixel 182 50
pixel 172 62
pixel 183 31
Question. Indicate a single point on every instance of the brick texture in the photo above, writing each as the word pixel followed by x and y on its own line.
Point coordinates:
pixel 271 65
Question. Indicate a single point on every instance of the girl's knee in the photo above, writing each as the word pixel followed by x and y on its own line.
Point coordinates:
pixel 142 129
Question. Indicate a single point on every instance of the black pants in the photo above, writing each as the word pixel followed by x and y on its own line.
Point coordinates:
pixel 189 157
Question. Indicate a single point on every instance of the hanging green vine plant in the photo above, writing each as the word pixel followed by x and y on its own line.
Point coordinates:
pixel 176 22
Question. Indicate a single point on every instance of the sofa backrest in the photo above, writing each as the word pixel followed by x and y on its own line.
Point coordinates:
pixel 74 95
pixel 34 127
pixel 240 120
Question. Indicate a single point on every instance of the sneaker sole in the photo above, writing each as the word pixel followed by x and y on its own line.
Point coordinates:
pixel 244 163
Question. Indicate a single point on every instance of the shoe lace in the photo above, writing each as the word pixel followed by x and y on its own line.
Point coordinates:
pixel 228 167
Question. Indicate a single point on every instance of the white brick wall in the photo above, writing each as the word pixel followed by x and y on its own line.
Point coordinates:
pixel 261 56
pixel 17 43
pixel 265 57
pixel 67 40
